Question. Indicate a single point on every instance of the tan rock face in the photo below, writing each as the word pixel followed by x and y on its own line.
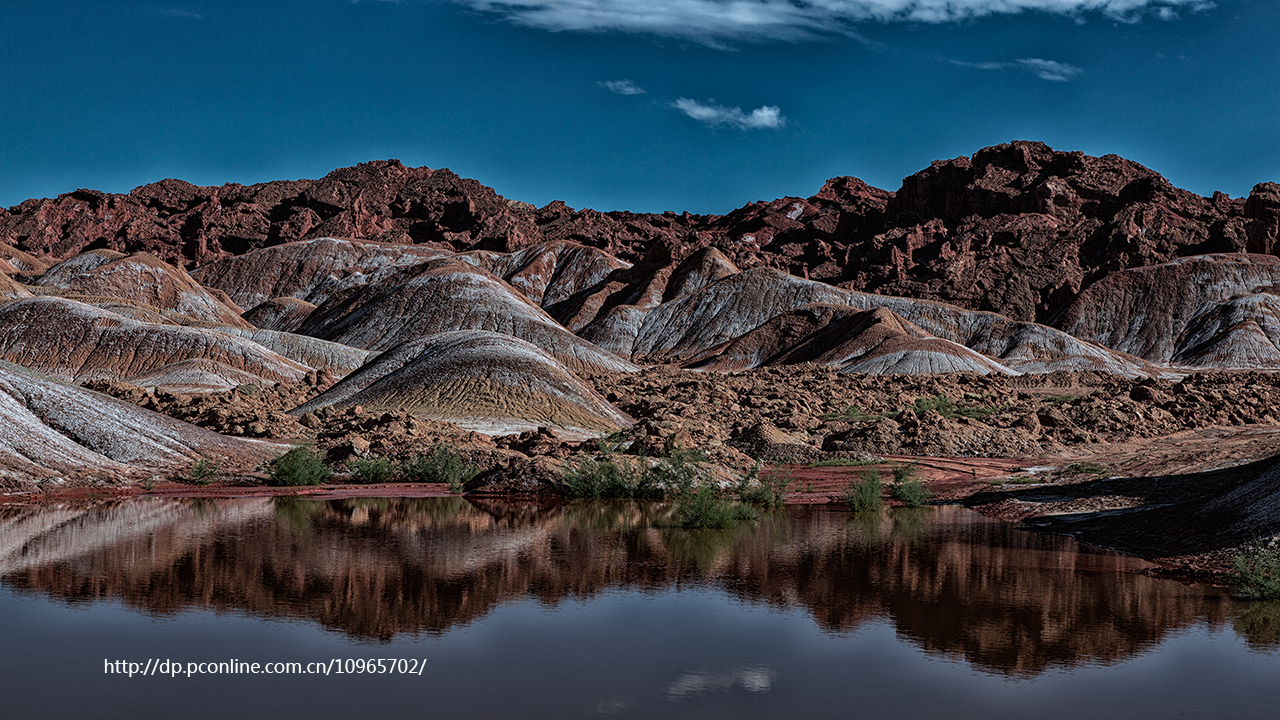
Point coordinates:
pixel 1208 311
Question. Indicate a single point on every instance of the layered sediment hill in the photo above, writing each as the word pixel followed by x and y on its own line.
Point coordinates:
pixel 68 435
pixel 490 381
pixel 74 341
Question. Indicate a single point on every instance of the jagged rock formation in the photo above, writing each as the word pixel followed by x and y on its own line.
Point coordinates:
pixel 485 380
pixel 699 325
pixel 314 353
pixel 1017 229
pixel 71 340
pixel 70 435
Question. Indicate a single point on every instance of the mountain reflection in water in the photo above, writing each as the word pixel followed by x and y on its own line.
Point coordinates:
pixel 951 582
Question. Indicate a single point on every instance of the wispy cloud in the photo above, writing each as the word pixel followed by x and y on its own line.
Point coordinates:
pixel 622 87
pixel 1051 70
pixel 713 115
pixel 178 13
pixel 713 22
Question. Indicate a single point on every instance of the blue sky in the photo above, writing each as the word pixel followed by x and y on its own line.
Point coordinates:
pixel 699 105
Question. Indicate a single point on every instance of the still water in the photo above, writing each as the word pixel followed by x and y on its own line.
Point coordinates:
pixel 526 610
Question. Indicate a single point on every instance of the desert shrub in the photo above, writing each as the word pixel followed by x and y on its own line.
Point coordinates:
pixel 908 487
pixel 1086 468
pixel 841 462
pixel 768 489
pixel 204 470
pixel 853 413
pixel 1257 572
pixel 441 465
pixel 299 466
pixel 707 508
pixel 676 472
pixel 609 477
pixel 369 472
pixel 863 495
pixel 945 406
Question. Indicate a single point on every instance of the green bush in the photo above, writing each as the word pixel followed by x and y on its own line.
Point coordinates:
pixel 946 407
pixel 609 477
pixel 299 466
pixel 441 465
pixel 842 462
pixel 1063 399
pixel 1258 571
pixel 707 508
pixel 369 472
pixel 908 487
pixel 674 474
pixel 863 495
pixel 204 470
pixel 853 413
pixel 1086 468
pixel 767 489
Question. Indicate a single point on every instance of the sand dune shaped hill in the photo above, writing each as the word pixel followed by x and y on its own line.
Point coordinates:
pixel 141 278
pixel 312 352
pixel 486 381
pixel 867 341
pixel 74 341
pixel 722 311
pixel 1211 311
pixel 283 314
pixel 311 270
pixel 53 430
pixel 451 295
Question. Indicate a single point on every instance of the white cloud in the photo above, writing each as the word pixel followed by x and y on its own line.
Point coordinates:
pixel 713 115
pixel 713 21
pixel 176 13
pixel 1051 70
pixel 622 87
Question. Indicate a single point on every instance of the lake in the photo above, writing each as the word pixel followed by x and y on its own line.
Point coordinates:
pixel 490 609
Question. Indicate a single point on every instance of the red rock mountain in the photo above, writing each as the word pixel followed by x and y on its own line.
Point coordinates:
pixel 1018 229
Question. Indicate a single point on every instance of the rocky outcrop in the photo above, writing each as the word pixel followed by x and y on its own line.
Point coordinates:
pixel 698 326
pixel 1018 229
pixel 864 341
pixel 313 270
